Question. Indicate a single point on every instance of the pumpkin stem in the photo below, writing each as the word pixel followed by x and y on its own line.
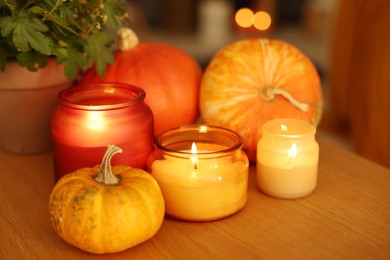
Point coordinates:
pixel 127 39
pixel 105 175
pixel 268 94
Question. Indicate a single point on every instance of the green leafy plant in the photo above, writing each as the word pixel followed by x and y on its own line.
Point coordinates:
pixel 77 33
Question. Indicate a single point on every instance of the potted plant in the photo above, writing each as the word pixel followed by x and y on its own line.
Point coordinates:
pixel 49 41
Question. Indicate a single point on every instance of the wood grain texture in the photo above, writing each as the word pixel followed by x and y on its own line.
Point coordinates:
pixel 347 216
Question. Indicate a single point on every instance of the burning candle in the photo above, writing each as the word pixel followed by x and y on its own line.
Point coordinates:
pixel 202 172
pixel 91 117
pixel 287 158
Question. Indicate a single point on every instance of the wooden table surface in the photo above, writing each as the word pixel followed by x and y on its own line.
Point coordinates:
pixel 346 217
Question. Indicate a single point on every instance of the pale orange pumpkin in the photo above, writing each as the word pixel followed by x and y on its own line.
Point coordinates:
pixel 106 209
pixel 169 76
pixel 251 81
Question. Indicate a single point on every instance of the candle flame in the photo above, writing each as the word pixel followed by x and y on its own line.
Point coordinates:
pixel 194 150
pixel 293 151
pixel 194 158
pixel 283 127
pixel 95 120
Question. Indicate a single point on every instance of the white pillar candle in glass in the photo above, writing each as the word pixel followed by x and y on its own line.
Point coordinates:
pixel 287 158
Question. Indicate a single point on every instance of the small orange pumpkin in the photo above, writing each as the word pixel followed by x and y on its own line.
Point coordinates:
pixel 251 81
pixel 169 76
pixel 104 209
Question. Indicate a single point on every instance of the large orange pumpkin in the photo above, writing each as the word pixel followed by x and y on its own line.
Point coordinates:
pixel 169 76
pixel 251 81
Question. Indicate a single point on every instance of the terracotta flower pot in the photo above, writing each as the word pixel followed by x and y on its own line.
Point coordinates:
pixel 27 100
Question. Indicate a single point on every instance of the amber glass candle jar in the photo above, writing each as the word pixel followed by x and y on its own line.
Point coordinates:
pixel 287 158
pixel 202 172
pixel 91 117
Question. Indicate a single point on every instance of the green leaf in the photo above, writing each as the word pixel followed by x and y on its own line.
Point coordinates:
pixel 6 26
pixel 36 9
pixel 26 33
pixel 61 54
pixel 97 48
pixel 73 61
pixel 112 10
pixel 32 60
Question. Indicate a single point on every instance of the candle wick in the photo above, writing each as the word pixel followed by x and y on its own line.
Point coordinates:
pixel 195 166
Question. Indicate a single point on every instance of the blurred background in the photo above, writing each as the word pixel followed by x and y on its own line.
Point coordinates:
pixel 201 27
pixel 347 40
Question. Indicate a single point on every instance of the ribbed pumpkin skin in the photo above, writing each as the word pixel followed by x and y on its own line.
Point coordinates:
pixel 100 218
pixel 169 76
pixel 233 88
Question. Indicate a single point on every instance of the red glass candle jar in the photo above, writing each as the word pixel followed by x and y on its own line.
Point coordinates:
pixel 91 117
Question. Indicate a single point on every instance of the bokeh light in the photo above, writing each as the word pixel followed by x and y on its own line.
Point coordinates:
pixel 244 17
pixel 262 20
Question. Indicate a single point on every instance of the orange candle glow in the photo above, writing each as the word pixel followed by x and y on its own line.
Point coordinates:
pixel 208 181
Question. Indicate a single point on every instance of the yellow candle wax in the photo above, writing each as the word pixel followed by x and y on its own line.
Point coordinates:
pixel 208 184
pixel 287 158
pixel 206 190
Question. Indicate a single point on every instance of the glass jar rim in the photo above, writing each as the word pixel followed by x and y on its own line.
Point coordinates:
pixel 225 138
pixel 280 127
pixel 81 96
